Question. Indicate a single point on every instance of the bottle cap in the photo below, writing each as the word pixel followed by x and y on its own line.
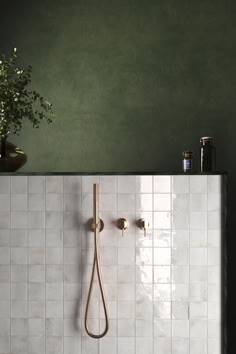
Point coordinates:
pixel 205 139
pixel 188 154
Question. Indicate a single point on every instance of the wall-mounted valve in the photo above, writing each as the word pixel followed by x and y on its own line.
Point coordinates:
pixel 123 224
pixel 99 226
pixel 144 225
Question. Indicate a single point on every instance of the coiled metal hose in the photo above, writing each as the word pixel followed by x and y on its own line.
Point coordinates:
pixel 96 226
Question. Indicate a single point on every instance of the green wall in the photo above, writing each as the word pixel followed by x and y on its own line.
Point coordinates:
pixel 133 83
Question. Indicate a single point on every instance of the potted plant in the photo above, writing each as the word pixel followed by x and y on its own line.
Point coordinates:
pixel 18 102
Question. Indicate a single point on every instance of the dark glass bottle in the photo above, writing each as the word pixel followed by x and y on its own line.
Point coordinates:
pixel 207 155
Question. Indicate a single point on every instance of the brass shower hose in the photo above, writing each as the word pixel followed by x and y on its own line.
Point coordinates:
pixel 96 226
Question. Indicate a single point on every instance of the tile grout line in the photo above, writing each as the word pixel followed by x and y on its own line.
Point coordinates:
pixel 153 307
pixel 81 264
pixel 189 208
pixel 63 283
pixel 27 263
pixel 99 258
pixel 135 272
pixel 80 236
pixel 171 257
pixel 10 178
pixel 45 284
pixel 117 347
pixel 207 265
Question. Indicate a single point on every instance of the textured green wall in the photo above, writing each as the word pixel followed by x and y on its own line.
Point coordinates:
pixel 133 83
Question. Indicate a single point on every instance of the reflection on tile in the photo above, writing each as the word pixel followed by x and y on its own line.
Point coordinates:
pixel 144 274
pixel 162 256
pixel 162 238
pixel 144 256
pixel 161 184
pixel 144 184
pixel 161 202
pixel 162 310
pixel 144 202
pixel 162 328
pixel 162 220
pixel 161 274
pixel 162 292
pixel 144 291
pixel 180 292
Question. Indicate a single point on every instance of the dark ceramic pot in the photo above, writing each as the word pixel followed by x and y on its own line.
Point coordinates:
pixel 11 157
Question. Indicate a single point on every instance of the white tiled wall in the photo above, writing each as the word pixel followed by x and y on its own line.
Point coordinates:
pixel 162 290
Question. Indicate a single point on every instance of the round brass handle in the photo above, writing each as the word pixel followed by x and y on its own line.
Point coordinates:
pixel 123 224
pixel 144 225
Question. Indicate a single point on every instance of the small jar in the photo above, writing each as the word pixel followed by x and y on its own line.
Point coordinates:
pixel 187 161
pixel 207 155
